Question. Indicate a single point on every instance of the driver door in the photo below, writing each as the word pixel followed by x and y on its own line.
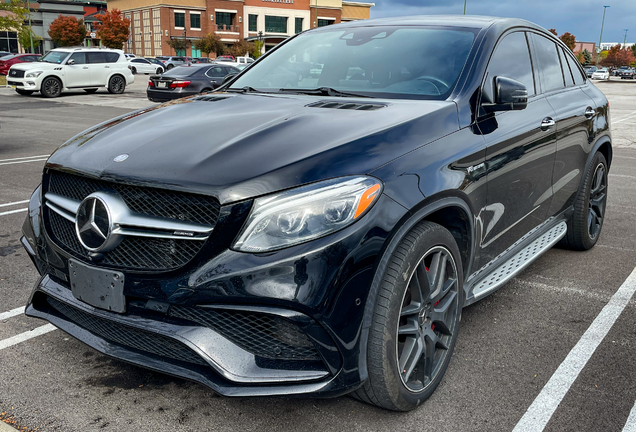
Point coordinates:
pixel 78 73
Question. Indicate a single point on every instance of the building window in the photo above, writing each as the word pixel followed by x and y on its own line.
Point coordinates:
pixel 179 19
pixel 156 31
pixel 137 31
pixel 275 24
pixel 9 42
pixel 252 23
pixel 147 34
pixel 325 22
pixel 130 33
pixel 224 18
pixel 299 25
pixel 195 21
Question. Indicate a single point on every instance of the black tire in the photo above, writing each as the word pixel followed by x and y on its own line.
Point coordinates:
pixel 24 92
pixel 134 70
pixel 205 90
pixel 90 90
pixel 170 67
pixel 51 87
pixel 159 71
pixel 585 224
pixel 116 84
pixel 405 321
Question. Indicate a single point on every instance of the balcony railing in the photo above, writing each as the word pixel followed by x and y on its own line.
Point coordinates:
pixel 227 28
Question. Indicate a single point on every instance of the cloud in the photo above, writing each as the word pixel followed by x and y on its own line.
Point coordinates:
pixel 579 17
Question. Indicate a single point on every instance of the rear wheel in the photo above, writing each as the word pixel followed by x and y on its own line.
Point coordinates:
pixel 159 71
pixel 585 224
pixel 24 92
pixel 51 87
pixel 415 320
pixel 116 84
pixel 170 67
pixel 134 70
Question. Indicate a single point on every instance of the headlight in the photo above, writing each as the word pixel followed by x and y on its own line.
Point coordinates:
pixel 34 74
pixel 306 213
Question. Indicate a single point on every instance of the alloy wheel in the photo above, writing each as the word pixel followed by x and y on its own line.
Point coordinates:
pixel 428 319
pixel 598 197
pixel 117 84
pixel 52 87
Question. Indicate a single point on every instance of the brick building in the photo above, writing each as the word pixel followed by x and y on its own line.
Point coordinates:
pixel 153 23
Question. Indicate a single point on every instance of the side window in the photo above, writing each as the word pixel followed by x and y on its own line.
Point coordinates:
pixel 569 81
pixel 549 65
pixel 216 72
pixel 136 61
pixel 511 59
pixel 78 57
pixel 95 57
pixel 579 78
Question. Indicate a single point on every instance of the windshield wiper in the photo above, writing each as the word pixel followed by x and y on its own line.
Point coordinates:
pixel 322 91
pixel 246 89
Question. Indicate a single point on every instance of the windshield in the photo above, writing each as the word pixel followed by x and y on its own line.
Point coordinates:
pixel 385 61
pixel 56 57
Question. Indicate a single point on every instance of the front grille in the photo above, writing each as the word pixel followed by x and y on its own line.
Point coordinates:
pixel 263 335
pixel 128 336
pixel 13 73
pixel 134 253
pixel 144 200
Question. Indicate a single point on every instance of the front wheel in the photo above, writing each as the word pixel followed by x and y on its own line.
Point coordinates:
pixel 116 84
pixel 51 87
pixel 415 321
pixel 24 92
pixel 585 224
pixel 170 67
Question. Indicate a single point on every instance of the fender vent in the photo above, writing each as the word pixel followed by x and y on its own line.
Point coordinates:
pixel 346 105
pixel 210 98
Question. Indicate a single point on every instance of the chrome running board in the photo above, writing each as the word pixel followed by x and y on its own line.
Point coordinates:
pixel 522 259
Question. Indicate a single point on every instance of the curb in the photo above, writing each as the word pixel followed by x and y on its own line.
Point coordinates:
pixel 6 428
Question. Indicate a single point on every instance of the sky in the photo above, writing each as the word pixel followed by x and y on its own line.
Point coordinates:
pixel 582 18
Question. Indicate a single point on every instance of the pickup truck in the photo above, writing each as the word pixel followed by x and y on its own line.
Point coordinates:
pixel 230 60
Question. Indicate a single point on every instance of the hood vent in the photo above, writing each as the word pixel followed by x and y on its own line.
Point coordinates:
pixel 210 98
pixel 347 105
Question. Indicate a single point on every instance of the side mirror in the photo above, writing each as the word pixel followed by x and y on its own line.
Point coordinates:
pixel 229 77
pixel 510 95
pixel 70 62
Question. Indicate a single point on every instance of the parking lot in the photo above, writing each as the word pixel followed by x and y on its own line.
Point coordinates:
pixel 556 342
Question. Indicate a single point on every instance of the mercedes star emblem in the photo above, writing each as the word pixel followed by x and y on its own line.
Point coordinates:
pixel 93 223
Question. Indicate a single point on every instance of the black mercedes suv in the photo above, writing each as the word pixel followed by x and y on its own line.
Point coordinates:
pixel 320 234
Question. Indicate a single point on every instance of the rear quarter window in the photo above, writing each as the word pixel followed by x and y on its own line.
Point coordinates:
pixel 111 57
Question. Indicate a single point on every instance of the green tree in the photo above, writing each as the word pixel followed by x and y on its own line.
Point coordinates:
pixel 210 43
pixel 240 48
pixel 12 15
pixel 258 47
pixel 67 31
pixel 587 57
pixel 26 35
pixel 177 44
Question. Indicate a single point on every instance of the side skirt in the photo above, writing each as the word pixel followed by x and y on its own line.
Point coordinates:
pixel 513 261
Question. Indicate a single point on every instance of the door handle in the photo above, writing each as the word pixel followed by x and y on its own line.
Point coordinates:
pixel 547 123
pixel 589 112
pixel 85 67
pixel 107 67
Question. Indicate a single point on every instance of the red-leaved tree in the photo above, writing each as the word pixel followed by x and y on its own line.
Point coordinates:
pixel 112 28
pixel 67 31
pixel 617 57
pixel 568 39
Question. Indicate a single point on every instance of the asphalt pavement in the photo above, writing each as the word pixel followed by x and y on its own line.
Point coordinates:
pixel 555 347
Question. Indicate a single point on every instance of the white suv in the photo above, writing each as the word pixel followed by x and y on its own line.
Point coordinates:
pixel 72 68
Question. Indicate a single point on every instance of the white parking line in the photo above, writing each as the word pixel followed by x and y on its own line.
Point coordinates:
pixel 13 211
pixel 14 203
pixel 537 416
pixel 26 157
pixel 630 424
pixel 23 161
pixel 623 119
pixel 38 331
pixel 11 313
pixel 622 175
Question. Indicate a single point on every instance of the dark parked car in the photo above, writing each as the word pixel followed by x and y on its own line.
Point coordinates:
pixel 185 81
pixel 323 239
pixel 8 61
pixel 627 73
pixel 589 70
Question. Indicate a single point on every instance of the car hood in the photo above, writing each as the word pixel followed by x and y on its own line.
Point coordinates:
pixel 29 66
pixel 239 146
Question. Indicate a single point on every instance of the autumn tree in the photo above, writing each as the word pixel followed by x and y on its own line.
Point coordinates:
pixel 617 57
pixel 240 48
pixel 210 43
pixel 177 44
pixel 553 31
pixel 587 57
pixel 12 15
pixel 112 28
pixel 67 31
pixel 569 40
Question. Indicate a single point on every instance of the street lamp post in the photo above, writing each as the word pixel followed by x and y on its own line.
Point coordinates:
pixel 464 7
pixel 625 38
pixel 260 42
pixel 600 40
pixel 185 42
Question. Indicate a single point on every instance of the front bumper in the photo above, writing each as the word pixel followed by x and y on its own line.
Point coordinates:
pixel 321 287
pixel 30 84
